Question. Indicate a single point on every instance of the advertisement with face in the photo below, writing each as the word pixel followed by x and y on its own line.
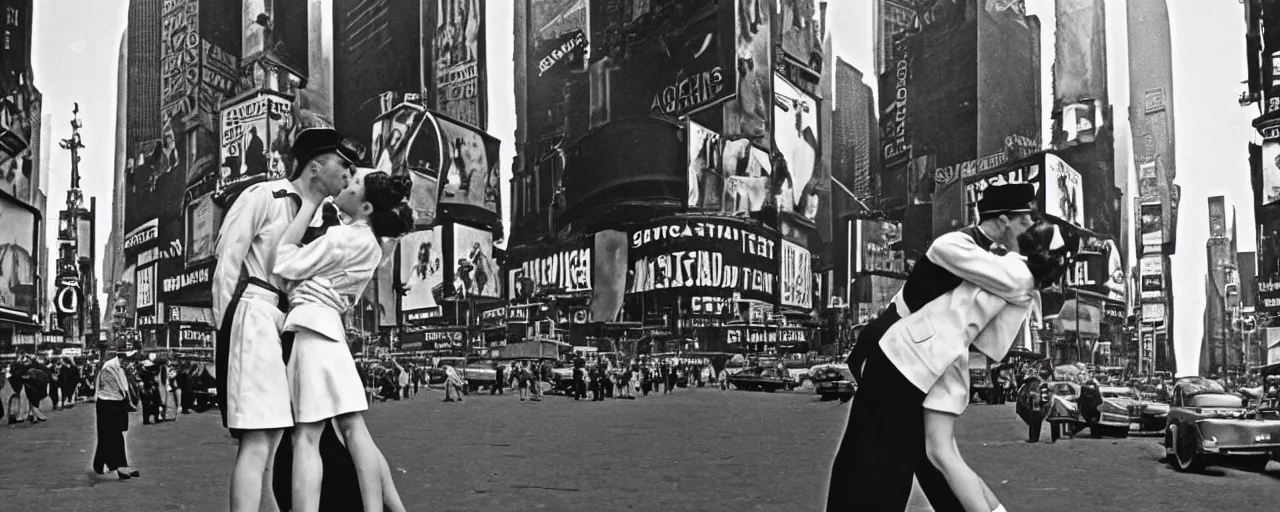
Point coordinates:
pixel 875 247
pixel 671 57
pixel 469 168
pixel 729 176
pixel 746 116
pixel 393 134
pixel 460 60
pixel 17 261
pixel 1270 172
pixel 1062 193
pixel 474 269
pixel 799 30
pixel 203 220
pixel 704 255
pixel 1151 224
pixel 255 138
pixel 795 131
pixel 421 270
pixel 796 286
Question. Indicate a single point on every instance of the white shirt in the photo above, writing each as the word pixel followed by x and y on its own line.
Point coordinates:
pixel 926 344
pixel 344 259
pixel 250 234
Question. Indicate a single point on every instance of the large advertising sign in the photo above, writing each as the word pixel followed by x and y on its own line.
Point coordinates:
pixel 475 273
pixel 1031 171
pixel 1272 335
pixel 799 26
pixel 422 271
pixel 875 248
pixel 17 258
pixel 746 115
pixel 402 143
pixel 1063 196
pixel 470 187
pixel 1151 224
pixel 1148 185
pixel 729 176
pixel 460 60
pixel 202 222
pixel 669 57
pixel 704 256
pixel 894 143
pixel 1153 312
pixel 84 238
pixel 1270 171
pixel 567 270
pixel 179 77
pixel 1151 274
pixel 558 84
pixel 796 285
pixel 795 131
pixel 1269 295
pixel 255 138
pixel 145 284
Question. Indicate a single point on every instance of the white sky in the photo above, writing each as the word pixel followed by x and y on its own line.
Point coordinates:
pixel 75 57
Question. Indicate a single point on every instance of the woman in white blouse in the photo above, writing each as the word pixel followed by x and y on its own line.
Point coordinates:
pixel 969 316
pixel 322 374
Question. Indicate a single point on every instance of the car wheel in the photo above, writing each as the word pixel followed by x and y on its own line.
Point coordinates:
pixel 1184 458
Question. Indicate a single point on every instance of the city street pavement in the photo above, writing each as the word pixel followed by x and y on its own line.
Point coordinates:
pixel 692 450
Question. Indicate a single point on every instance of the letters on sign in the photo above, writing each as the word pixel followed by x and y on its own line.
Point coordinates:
pixel 711 305
pixel 142 234
pixel 697 269
pixel 752 243
pixel 1153 100
pixel 194 277
pixel 570 270
pixel 418 316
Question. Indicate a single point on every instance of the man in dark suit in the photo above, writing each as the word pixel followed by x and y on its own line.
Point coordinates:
pixel 884 441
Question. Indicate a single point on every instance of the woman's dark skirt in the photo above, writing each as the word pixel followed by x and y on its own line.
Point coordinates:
pixel 113 422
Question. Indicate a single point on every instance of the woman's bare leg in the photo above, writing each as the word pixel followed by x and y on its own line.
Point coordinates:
pixel 308 468
pixel 366 457
pixel 941 447
pixel 390 496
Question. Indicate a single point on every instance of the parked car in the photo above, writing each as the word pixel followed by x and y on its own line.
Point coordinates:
pixel 1113 418
pixel 756 378
pixel 1124 404
pixel 832 381
pixel 1207 425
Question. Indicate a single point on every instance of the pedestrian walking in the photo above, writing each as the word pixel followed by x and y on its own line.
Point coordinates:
pixel 871 471
pixel 1033 403
pixel 70 381
pixel 17 383
pixel 36 389
pixel 113 401
pixel 499 380
pixel 523 380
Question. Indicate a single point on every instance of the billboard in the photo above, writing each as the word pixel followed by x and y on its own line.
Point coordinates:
pixel 145 284
pixel 1063 197
pixel 875 247
pixel 254 138
pixel 421 271
pixel 202 222
pixel 707 256
pixel 388 314
pixel 796 284
pixel 799 26
pixel 1151 224
pixel 568 270
pixel 747 115
pixel 470 186
pixel 84 238
pixel 729 176
pixel 1151 275
pixel 402 144
pixel 1270 171
pixel 795 131
pixel 559 97
pixel 1080 71
pixel 1028 171
pixel 460 60
pixel 670 57
pixel 179 78
pixel 1153 312
pixel 1148 184
pixel 475 273
pixel 17 258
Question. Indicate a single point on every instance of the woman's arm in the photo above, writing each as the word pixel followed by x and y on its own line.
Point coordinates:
pixel 298 227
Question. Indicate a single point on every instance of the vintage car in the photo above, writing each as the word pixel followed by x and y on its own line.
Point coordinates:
pixel 477 373
pixel 757 378
pixel 1207 425
pixel 832 381
pixel 1114 414
pixel 1144 416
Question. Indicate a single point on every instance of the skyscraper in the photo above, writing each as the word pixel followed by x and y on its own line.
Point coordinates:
pixel 143 78
pixel 854 126
pixel 378 46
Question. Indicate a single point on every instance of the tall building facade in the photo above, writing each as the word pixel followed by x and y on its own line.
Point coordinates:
pixel 143 53
pixel 1156 202
pixel 1220 351
pixel 1262 36
pixel 378 46
pixel 854 126
pixel 113 255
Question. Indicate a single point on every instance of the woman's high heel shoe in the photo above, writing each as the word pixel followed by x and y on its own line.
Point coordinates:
pixel 122 475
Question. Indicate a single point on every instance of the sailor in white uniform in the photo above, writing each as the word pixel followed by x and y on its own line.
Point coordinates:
pixel 253 389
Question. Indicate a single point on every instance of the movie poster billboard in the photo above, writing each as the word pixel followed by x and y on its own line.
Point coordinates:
pixel 1063 196
pixel 470 186
pixel 460 60
pixel 799 26
pixel 875 247
pixel 422 271
pixel 671 57
pixel 393 134
pixel 795 132
pixel 1270 171
pixel 475 273
pixel 19 124
pixel 796 285
pixel 255 138
pixel 747 115
pixel 254 35
pixel 728 176
pixel 202 222
pixel 1151 224
pixel 17 258
pixel 710 256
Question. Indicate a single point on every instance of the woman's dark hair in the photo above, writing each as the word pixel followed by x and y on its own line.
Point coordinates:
pixel 1047 265
pixel 391 215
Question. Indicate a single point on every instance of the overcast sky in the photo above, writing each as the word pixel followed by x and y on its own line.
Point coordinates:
pixel 75 57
